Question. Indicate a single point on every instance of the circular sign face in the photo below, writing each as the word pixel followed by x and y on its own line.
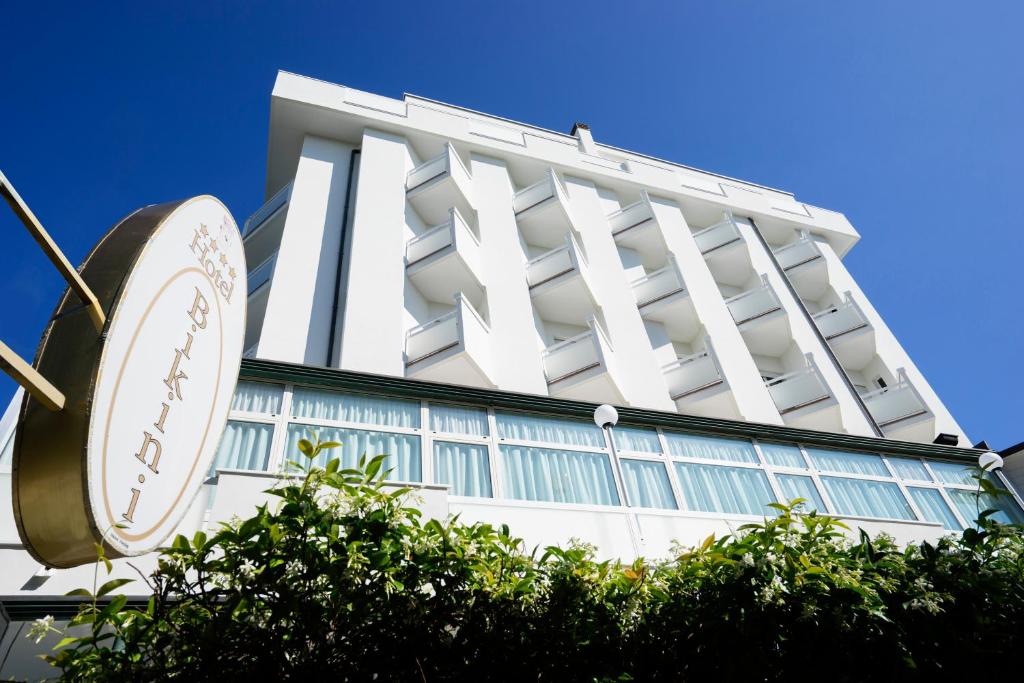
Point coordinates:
pixel 148 399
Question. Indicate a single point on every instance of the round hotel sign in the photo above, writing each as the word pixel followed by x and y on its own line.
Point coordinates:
pixel 147 399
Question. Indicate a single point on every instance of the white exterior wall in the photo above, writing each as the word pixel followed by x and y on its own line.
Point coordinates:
pixel 300 305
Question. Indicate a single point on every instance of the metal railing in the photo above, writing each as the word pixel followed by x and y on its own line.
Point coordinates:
pixel 717 236
pixel 443 164
pixel 555 263
pixel 261 274
pixel 442 333
pixel 629 217
pixel 795 390
pixel 753 303
pixel 660 284
pixel 268 210
pixel 690 374
pixel 797 253
pixel 575 355
pixel 438 238
pixel 895 403
pixel 840 319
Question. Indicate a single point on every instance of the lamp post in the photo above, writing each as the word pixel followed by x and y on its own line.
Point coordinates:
pixel 988 461
pixel 606 417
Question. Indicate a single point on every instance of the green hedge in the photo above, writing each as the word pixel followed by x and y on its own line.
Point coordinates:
pixel 341 581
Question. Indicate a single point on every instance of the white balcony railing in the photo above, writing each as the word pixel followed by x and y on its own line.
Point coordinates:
pixel 803 250
pixel 631 217
pixel 445 332
pixel 840 319
pixel 690 374
pixel 447 162
pixel 555 263
pixel 658 285
pixel 439 238
pixel 895 403
pixel 261 274
pixel 717 236
pixel 795 390
pixel 576 355
pixel 753 303
pixel 548 187
pixel 268 210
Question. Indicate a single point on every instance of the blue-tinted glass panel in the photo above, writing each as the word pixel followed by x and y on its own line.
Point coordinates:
pixel 954 473
pixel 523 427
pixel 736 490
pixel 848 463
pixel 458 420
pixel 799 486
pixel 710 448
pixel 934 508
pixel 647 484
pixel 783 455
pixel 637 440
pixel 402 450
pixel 243 446
pixel 862 498
pixel 545 474
pixel 464 467
pixel 970 504
pixel 339 407
pixel 257 397
pixel 910 469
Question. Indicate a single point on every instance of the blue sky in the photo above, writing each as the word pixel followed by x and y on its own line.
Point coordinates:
pixel 904 116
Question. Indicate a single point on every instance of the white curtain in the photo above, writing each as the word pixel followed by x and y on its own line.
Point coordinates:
pixel 402 450
pixel 956 473
pixel 865 498
pixel 243 446
pixel 458 420
pixel 848 463
pixel 1008 512
pixel 710 448
pixel 783 455
pixel 557 476
pixel 910 469
pixel 464 467
pixel 647 484
pixel 799 486
pixel 338 407
pixel 737 490
pixel 934 508
pixel 257 397
pixel 637 440
pixel 523 427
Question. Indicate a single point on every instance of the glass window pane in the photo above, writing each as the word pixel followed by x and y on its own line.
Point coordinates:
pixel 257 397
pixel 403 450
pixel 338 407
pixel 458 420
pixel 464 467
pixel 934 508
pixel 647 484
pixel 954 473
pixel 710 448
pixel 638 440
pixel 910 469
pixel 737 490
pixel 523 427
pixel 799 486
pixel 783 455
pixel 1008 512
pixel 867 498
pixel 848 463
pixel 243 446
pixel 557 476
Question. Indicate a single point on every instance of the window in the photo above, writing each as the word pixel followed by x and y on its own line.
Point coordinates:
pixel 402 450
pixel 647 484
pixel 867 498
pixel 801 486
pixel 446 419
pixel 929 501
pixel 337 407
pixel 243 446
pixel 782 455
pixel 257 397
pixel 848 463
pixel 710 448
pixel 464 467
pixel 523 427
pixel 734 490
pixel 636 440
pixel 557 476
pixel 908 469
pixel 970 504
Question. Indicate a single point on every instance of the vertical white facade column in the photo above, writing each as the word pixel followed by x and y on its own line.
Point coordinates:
pixel 887 346
pixel 373 326
pixel 805 336
pixel 515 357
pixel 753 401
pixel 300 305
pixel 639 375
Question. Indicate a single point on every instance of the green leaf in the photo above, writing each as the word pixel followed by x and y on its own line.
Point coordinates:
pixel 85 593
pixel 306 448
pixel 111 585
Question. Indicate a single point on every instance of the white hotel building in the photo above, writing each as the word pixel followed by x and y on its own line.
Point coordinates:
pixel 458 291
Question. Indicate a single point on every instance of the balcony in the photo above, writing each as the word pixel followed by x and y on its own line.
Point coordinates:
pixel 761 319
pixel 635 227
pixel 258 286
pixel 445 260
pixel 848 333
pixel 435 186
pixel 261 234
pixel 724 251
pixel 581 367
pixel 661 296
pixel 559 284
pixel 542 211
pixel 803 399
pixel 804 266
pixel 453 348
pixel 900 412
